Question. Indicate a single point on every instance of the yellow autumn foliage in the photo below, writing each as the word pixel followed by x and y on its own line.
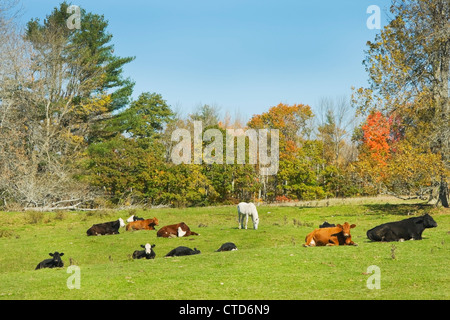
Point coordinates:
pixel 96 105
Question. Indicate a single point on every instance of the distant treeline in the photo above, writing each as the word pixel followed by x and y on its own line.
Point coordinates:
pixel 72 137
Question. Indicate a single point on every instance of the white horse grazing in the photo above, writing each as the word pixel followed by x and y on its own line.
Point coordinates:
pixel 247 209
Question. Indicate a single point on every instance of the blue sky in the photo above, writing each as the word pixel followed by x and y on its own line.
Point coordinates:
pixel 243 56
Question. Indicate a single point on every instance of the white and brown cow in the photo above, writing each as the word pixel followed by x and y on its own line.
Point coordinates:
pixel 176 231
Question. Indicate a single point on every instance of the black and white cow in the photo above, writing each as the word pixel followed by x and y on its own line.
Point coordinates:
pixel 134 218
pixel 228 246
pixel 54 262
pixel 408 229
pixel 182 251
pixel 111 227
pixel 147 253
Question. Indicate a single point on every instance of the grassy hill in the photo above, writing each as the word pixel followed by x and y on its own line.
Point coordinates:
pixel 270 263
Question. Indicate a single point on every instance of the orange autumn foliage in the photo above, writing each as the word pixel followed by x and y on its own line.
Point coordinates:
pixel 376 137
pixel 291 120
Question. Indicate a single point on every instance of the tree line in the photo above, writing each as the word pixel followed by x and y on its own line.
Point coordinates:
pixel 72 137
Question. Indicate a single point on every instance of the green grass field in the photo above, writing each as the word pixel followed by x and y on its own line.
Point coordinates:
pixel 271 262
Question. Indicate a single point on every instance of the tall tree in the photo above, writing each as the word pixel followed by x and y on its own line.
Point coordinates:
pixel 60 84
pixel 145 118
pixel 207 114
pixel 129 163
pixel 334 127
pixel 296 177
pixel 389 161
pixel 408 65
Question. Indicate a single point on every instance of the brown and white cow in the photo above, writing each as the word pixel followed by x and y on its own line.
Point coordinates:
pixel 147 224
pixel 176 230
pixel 332 236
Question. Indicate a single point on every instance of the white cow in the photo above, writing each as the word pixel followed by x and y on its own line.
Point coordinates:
pixel 244 210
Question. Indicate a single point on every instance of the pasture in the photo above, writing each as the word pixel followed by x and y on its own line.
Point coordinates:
pixel 270 262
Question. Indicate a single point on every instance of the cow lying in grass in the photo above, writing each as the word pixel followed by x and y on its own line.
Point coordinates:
pixel 326 224
pixel 147 253
pixel 407 229
pixel 54 262
pixel 182 251
pixel 134 218
pixel 331 236
pixel 228 246
pixel 147 224
pixel 176 230
pixel 111 227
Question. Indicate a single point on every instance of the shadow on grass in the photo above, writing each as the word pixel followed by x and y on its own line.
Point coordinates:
pixel 399 209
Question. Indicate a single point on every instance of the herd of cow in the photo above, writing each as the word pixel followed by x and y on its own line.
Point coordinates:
pixel 326 235
pixel 136 223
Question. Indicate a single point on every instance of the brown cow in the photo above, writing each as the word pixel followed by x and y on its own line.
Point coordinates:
pixel 175 230
pixel 334 236
pixel 147 224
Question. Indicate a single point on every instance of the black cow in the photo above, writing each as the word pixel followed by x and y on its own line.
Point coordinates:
pixel 182 251
pixel 228 246
pixel 54 262
pixel 147 253
pixel 407 229
pixel 111 227
pixel 327 225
